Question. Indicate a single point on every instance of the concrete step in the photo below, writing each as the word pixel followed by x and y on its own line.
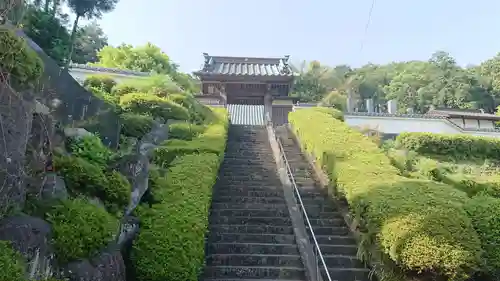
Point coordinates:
pixel 248 249
pixel 259 186
pixel 347 274
pixel 324 222
pixel 345 250
pixel 269 229
pixel 261 238
pixel 248 193
pixel 251 213
pixel 340 230
pixel 252 220
pixel 254 260
pixel 334 240
pixel 222 206
pixel 255 272
pixel 334 261
pixel 243 199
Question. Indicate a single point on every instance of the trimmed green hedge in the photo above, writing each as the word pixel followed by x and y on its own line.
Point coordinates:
pixel 213 140
pixel 184 131
pixel 485 213
pixel 457 146
pixel 11 263
pixel 103 82
pixel 91 149
pixel 420 225
pixel 80 229
pixel 135 125
pixel 170 245
pixel 149 104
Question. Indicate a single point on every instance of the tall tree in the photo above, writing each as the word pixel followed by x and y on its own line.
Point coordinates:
pixel 89 9
pixel 89 40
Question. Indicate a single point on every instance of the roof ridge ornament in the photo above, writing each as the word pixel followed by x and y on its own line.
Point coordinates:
pixel 286 67
pixel 206 64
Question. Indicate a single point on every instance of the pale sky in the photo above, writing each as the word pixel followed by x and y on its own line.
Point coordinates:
pixel 330 31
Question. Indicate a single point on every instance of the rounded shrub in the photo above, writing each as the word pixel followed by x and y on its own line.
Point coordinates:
pixel 118 191
pixel 91 149
pixel 184 131
pixel 11 263
pixel 19 60
pixel 485 214
pixel 135 125
pixel 83 177
pixel 148 104
pixel 104 82
pixel 123 89
pixel 80 229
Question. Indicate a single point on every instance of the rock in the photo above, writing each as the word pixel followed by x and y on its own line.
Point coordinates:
pixel 76 132
pixel 107 266
pixel 30 236
pixel 54 187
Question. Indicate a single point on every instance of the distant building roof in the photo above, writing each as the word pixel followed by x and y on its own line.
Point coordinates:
pixel 245 66
pixel 463 113
pixel 108 70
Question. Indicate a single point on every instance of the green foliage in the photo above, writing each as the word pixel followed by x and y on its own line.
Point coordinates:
pixel 147 58
pixel 10 263
pixel 83 177
pixel 335 113
pixel 171 243
pixel 155 106
pixel 91 149
pixel 124 88
pixel 110 99
pixel 418 224
pixel 485 214
pixel 135 125
pixel 184 131
pixel 80 229
pixel 104 82
pixel 18 60
pixel 213 140
pixel 456 146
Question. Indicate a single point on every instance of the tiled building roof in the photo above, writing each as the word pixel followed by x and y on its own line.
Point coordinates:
pixel 245 66
pixel 473 114
pixel 108 70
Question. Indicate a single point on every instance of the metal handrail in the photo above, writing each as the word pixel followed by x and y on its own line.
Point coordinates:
pixel 301 204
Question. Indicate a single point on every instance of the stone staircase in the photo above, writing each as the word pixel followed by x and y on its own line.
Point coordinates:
pixel 334 238
pixel 251 235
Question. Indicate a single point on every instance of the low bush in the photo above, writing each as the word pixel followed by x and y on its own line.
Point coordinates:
pixel 11 263
pixel 91 149
pixel 104 82
pixel 213 140
pixel 135 125
pixel 420 225
pixel 80 229
pixel 148 104
pixel 184 131
pixel 485 213
pixel 85 178
pixel 198 111
pixel 171 243
pixel 456 146
pixel 19 60
pixel 123 89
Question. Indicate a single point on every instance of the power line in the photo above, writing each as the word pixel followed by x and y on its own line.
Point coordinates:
pixel 367 25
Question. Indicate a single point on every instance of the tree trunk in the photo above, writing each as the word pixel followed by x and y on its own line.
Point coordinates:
pixel 47 4
pixel 72 41
pixel 55 5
